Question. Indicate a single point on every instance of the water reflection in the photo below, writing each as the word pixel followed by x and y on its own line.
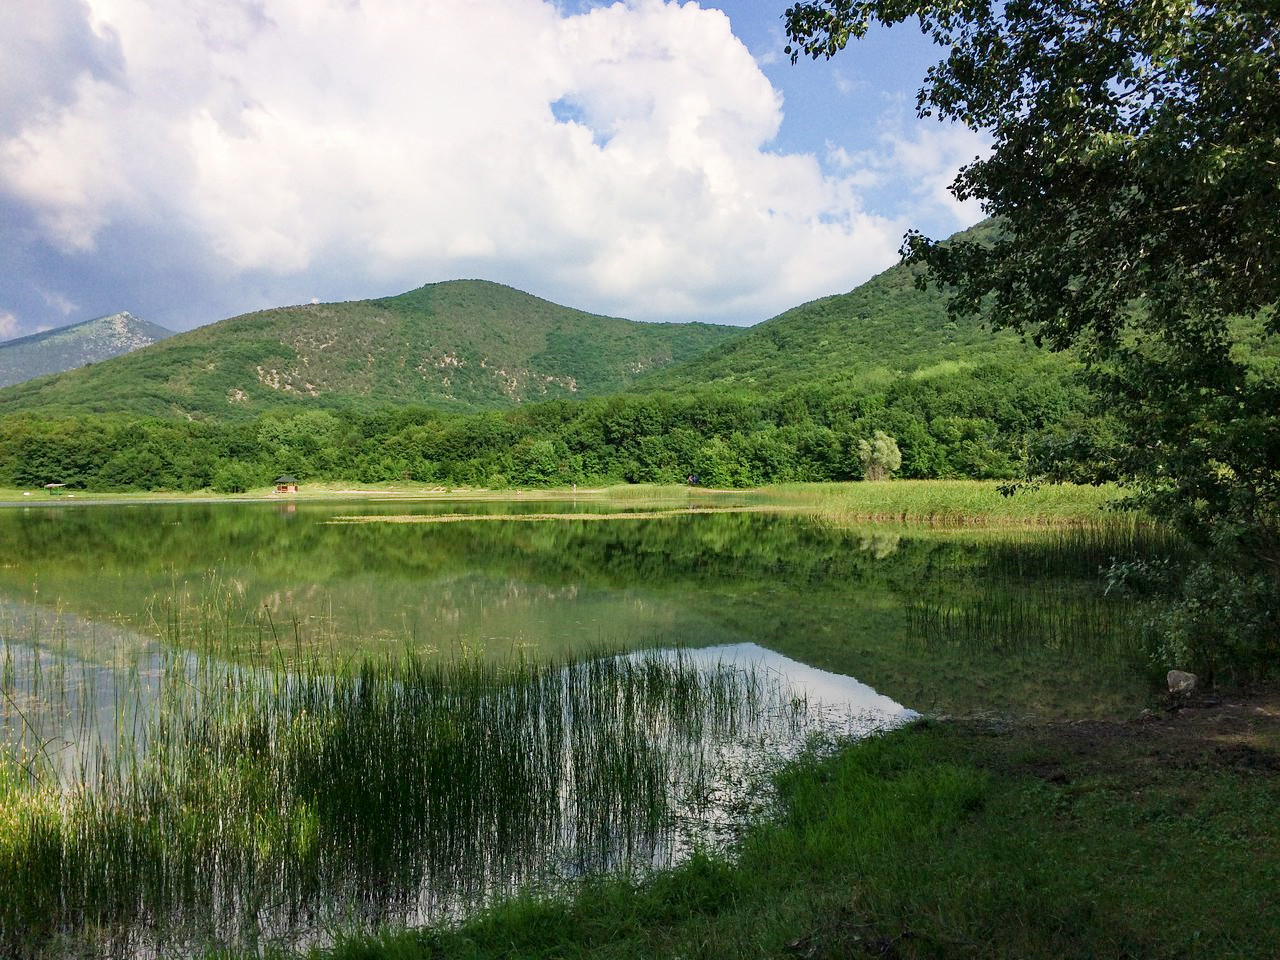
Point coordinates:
pixel 394 721
pixel 916 614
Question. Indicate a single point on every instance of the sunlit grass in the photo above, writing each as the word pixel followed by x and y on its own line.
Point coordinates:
pixel 956 502
pixel 934 501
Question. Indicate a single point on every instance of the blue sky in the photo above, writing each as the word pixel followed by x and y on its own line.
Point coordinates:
pixel 188 160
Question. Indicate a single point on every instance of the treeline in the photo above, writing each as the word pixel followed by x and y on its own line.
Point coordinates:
pixel 979 422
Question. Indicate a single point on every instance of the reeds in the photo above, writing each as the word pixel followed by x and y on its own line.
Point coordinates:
pixel 201 803
pixel 1044 593
pixel 952 503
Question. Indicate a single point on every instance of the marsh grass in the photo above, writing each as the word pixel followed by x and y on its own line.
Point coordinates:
pixel 1044 593
pixel 955 503
pixel 197 803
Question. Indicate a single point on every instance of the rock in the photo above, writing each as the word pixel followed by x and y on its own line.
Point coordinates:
pixel 1182 683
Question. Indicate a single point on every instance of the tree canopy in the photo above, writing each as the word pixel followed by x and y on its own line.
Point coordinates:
pixel 1136 152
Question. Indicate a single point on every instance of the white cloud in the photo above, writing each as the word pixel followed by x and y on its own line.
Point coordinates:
pixel 913 171
pixel 58 302
pixel 8 325
pixel 47 47
pixel 411 142
pixel 932 157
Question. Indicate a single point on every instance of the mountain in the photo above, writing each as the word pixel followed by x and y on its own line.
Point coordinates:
pixel 885 327
pixel 461 345
pixel 69 347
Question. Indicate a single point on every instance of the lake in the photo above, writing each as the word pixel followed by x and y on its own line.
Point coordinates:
pixel 404 708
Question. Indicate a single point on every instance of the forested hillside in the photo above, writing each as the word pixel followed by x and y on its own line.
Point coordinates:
pixel 967 423
pixel 394 390
pixel 883 328
pixel 462 345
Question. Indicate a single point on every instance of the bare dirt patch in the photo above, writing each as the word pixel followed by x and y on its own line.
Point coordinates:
pixel 1238 733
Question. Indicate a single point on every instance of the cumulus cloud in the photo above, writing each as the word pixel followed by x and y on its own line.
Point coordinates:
pixel 616 158
pixel 8 325
pixel 915 169
pixel 48 47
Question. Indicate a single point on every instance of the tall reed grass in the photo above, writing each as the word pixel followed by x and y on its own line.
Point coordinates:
pixel 1045 593
pixel 196 802
pixel 952 502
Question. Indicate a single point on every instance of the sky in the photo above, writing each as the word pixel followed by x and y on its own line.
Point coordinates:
pixel 190 160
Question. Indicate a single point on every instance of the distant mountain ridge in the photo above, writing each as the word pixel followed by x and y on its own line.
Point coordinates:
pixel 458 345
pixel 469 345
pixel 66 348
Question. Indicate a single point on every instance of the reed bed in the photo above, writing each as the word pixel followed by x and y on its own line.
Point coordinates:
pixel 190 803
pixel 1044 592
pixel 1002 620
pixel 952 503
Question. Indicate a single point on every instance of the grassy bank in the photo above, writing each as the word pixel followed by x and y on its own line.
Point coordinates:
pixel 1153 838
pixel 944 502
pixel 955 502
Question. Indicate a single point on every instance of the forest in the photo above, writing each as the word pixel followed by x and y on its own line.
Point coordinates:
pixel 984 421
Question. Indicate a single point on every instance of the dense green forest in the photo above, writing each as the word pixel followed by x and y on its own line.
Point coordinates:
pixel 965 422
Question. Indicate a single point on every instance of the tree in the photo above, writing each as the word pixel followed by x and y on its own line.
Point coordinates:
pixel 879 456
pixel 1134 186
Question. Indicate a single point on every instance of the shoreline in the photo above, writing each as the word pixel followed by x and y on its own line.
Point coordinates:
pixel 935 503
pixel 1009 837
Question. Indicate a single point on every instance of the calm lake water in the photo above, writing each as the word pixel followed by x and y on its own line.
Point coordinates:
pixel 295 580
pixel 158 656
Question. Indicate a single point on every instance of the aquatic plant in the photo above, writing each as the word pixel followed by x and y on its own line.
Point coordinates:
pixel 238 805
pixel 1042 593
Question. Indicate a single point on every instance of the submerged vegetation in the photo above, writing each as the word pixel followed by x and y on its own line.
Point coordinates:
pixel 260 776
pixel 250 776
pixel 247 579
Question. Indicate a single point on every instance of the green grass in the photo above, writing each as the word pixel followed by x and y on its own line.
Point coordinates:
pixel 955 502
pixel 942 502
pixel 942 840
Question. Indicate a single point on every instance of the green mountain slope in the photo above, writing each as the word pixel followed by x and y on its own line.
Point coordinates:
pixel 881 329
pixel 460 345
pixel 69 347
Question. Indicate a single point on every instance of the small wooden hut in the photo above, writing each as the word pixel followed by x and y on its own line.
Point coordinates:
pixel 286 484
